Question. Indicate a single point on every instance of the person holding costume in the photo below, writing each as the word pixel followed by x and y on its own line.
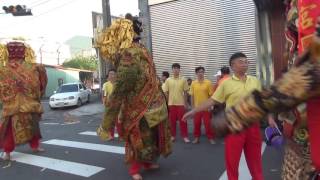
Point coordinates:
pixel 248 141
pixel 301 84
pixel 107 89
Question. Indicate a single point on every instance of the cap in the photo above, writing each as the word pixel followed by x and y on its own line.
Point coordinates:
pixel 218 73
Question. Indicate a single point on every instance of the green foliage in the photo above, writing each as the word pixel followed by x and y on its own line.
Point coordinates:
pixel 82 62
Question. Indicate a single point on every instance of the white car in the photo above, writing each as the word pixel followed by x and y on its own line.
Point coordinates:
pixel 71 94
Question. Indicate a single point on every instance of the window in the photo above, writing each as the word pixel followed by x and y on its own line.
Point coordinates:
pixel 68 88
pixel 60 82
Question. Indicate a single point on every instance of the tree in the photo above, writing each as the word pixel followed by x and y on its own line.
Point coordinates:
pixel 82 62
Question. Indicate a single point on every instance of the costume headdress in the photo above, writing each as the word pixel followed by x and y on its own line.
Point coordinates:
pixel 16 51
pixel 114 39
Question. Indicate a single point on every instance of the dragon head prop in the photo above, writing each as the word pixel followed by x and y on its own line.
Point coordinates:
pixel 114 39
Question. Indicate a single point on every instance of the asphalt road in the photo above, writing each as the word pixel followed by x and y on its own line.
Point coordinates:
pixel 74 152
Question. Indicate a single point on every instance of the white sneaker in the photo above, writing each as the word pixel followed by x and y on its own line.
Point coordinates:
pixel 211 141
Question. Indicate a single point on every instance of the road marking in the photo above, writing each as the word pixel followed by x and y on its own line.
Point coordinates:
pixel 88 146
pixel 244 173
pixel 92 133
pixel 51 123
pixel 56 164
pixel 70 123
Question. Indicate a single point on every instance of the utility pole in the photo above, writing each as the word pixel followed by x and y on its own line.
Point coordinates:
pixel 58 53
pixel 145 18
pixel 40 51
pixel 106 16
pixel 103 65
pixel 41 48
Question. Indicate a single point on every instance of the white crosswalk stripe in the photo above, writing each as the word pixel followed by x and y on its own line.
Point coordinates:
pixel 57 165
pixel 88 146
pixel 79 169
pixel 93 133
pixel 86 170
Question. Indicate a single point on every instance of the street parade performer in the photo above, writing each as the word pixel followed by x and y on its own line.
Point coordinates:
pixel 22 84
pixel 297 162
pixel 137 97
pixel 301 84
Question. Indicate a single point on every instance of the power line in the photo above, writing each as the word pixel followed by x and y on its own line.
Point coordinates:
pixel 46 12
pixel 43 2
pixel 34 2
pixel 53 9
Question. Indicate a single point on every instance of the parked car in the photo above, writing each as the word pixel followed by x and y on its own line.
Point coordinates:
pixel 95 88
pixel 71 94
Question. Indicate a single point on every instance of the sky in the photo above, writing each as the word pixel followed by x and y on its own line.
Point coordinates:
pixel 57 20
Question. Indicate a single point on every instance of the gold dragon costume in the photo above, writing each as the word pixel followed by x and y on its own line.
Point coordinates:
pixel 301 84
pixel 22 83
pixel 137 95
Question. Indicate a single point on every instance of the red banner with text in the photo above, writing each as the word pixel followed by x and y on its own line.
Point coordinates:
pixel 309 10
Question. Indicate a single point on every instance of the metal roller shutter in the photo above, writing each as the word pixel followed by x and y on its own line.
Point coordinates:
pixel 202 33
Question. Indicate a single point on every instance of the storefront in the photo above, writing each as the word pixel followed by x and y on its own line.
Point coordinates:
pixel 202 33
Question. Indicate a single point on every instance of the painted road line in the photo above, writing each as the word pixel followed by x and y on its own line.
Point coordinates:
pixel 51 123
pixel 88 146
pixel 56 164
pixel 92 133
pixel 70 123
pixel 244 173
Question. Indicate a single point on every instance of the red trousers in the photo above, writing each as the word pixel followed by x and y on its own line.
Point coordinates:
pixel 9 144
pixel 119 129
pixel 136 166
pixel 313 114
pixel 206 116
pixel 175 114
pixel 250 142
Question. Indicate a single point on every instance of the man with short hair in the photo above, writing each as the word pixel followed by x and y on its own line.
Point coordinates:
pixel 222 74
pixel 107 90
pixel 176 88
pixel 301 84
pixel 107 87
pixel 225 74
pixel 189 81
pixel 165 76
pixel 200 91
pixel 229 92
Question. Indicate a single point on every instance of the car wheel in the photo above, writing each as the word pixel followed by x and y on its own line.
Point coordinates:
pixel 88 99
pixel 79 103
pixel 52 108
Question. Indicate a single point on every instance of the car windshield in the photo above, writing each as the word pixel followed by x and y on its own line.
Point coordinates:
pixel 68 88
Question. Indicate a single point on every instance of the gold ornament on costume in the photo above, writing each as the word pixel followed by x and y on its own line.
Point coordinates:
pixel 29 55
pixel 3 55
pixel 114 39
